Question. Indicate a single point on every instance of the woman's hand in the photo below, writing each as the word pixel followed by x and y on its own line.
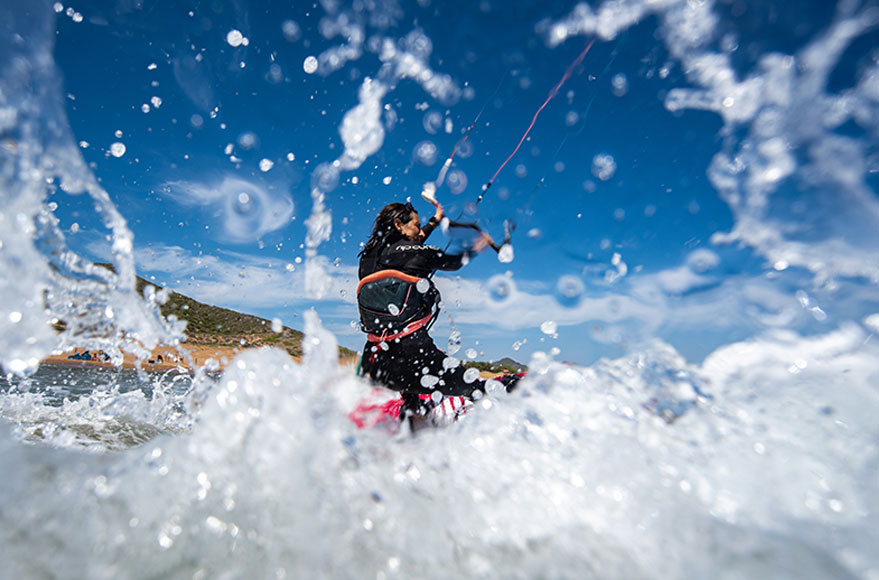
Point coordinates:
pixel 439 213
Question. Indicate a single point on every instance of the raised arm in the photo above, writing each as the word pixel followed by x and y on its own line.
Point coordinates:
pixel 433 221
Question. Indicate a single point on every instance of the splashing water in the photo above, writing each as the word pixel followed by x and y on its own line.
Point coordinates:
pixel 584 446
pixel 40 156
pixel 759 462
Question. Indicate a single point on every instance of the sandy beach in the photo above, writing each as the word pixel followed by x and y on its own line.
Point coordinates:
pixel 167 358
pixel 162 358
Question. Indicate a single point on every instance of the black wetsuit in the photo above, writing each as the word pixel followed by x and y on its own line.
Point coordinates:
pixel 412 364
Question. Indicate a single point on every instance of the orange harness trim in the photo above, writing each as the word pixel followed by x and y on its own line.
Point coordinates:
pixel 408 329
pixel 382 274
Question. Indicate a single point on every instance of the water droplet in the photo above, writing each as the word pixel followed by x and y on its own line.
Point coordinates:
pixel 549 327
pixel 470 375
pixel 393 309
pixel 266 165
pixel 702 260
pixel 465 149
pixel 235 38
pixel 620 85
pixel 432 122
pixel 471 353
pixel 291 30
pixel 244 204
pixel 276 325
pixel 603 166
pixel 247 140
pixel 456 181
pixel 117 149
pixel 310 65
pixel 454 343
pixel 569 290
pixel 505 255
pixel 325 177
pixel 500 288
pixel 425 153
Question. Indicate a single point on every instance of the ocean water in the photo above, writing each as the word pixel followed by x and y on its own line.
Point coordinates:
pixel 96 408
pixel 758 461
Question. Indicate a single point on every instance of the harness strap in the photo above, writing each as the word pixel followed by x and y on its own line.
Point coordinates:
pixel 408 329
pixel 383 274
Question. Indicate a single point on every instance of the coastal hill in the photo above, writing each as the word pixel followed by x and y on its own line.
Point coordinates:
pixel 215 326
pixel 227 330
pixel 505 365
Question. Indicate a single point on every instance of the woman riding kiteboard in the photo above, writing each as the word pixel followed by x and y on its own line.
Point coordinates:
pixel 398 303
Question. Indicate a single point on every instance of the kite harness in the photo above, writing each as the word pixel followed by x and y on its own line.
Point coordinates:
pixel 393 304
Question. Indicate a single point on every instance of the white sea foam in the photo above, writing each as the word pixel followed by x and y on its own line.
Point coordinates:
pixel 643 466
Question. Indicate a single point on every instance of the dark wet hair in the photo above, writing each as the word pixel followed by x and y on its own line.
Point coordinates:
pixel 384 230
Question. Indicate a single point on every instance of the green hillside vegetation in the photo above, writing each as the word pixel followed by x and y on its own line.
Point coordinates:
pixel 213 325
pixel 206 324
pixel 505 365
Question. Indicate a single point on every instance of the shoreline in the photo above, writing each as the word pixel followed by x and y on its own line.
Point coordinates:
pixel 162 358
pixel 165 358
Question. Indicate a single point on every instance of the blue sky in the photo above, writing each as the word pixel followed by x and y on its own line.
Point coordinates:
pixel 230 114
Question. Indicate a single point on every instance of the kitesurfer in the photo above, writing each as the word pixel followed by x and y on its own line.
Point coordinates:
pixel 398 302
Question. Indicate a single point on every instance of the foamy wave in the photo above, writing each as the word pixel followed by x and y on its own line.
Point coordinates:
pixel 578 473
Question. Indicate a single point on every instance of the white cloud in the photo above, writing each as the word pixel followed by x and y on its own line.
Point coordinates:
pixel 642 306
pixel 474 304
pixel 680 280
pixel 675 302
pixel 246 210
pixel 240 281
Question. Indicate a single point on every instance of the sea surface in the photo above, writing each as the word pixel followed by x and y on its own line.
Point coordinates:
pixel 759 460
pixel 745 466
